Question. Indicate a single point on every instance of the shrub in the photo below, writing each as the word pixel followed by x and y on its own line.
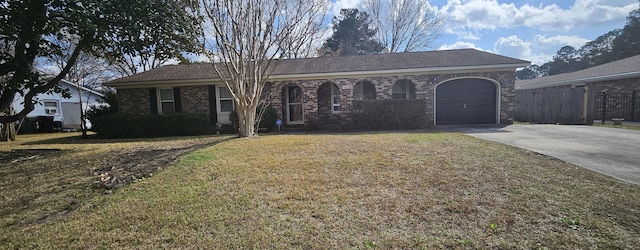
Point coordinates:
pixel 99 110
pixel 109 108
pixel 268 118
pixel 131 126
pixel 389 114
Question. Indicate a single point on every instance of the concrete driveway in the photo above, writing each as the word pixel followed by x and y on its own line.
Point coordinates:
pixel 610 151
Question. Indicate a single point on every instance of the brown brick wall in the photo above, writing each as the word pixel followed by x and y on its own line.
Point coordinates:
pixel 195 98
pixel 615 86
pixel 134 101
pixel 425 86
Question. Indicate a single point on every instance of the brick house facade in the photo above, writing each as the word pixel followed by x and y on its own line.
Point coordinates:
pixel 325 98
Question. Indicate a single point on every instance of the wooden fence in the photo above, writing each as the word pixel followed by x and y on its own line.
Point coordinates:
pixel 564 105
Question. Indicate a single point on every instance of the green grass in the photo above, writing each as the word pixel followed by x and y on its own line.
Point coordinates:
pixel 358 191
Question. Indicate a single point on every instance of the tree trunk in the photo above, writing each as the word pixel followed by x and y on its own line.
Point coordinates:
pixel 8 129
pixel 83 122
pixel 8 132
pixel 246 121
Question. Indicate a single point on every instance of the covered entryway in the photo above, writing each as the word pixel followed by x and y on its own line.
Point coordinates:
pixel 466 101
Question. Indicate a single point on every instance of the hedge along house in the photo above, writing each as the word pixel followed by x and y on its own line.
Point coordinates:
pixel 610 90
pixel 454 87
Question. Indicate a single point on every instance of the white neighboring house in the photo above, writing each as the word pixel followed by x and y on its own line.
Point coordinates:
pixel 65 111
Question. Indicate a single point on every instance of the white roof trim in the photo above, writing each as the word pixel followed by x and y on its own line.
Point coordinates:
pixel 81 87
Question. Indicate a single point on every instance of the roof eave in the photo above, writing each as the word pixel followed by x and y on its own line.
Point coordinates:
pixel 431 70
pixel 82 87
pixel 331 75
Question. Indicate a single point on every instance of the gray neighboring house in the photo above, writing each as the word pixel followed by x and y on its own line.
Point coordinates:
pixel 611 90
pixel 64 112
pixel 458 87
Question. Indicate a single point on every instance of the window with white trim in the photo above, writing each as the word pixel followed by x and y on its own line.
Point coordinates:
pixel 50 107
pixel 335 99
pixel 166 101
pixel 225 100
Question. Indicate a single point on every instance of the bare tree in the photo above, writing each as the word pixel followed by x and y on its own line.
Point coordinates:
pixel 88 71
pixel 405 25
pixel 306 37
pixel 244 37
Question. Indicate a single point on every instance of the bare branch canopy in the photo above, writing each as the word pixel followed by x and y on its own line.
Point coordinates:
pixel 246 36
pixel 405 25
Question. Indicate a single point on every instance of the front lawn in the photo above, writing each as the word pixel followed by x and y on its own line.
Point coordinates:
pixel 332 191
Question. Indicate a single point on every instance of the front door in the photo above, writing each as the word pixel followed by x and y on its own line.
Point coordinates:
pixel 294 105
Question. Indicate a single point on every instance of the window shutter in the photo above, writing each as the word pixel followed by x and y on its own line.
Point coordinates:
pixel 213 105
pixel 153 101
pixel 177 100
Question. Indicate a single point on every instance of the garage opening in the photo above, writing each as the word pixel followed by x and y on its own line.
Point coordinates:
pixel 466 101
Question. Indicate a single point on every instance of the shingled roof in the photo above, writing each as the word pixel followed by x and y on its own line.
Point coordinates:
pixel 625 68
pixel 425 61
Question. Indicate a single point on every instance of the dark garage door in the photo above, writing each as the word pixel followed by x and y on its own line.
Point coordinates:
pixel 466 101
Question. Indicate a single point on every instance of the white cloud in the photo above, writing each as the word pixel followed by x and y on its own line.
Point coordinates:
pixel 459 45
pixel 559 41
pixel 344 4
pixel 545 47
pixel 513 46
pixel 464 15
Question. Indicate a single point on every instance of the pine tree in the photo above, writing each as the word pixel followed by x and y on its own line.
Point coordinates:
pixel 351 35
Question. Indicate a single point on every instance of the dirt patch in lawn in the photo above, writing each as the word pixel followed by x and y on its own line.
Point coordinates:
pixel 42 182
pixel 128 165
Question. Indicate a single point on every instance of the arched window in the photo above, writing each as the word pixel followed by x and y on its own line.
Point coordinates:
pixel 404 89
pixel 364 91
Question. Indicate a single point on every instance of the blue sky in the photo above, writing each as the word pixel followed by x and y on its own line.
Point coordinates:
pixel 532 30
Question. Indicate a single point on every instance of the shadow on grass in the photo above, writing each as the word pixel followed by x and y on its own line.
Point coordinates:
pixel 434 130
pixel 96 139
pixel 65 191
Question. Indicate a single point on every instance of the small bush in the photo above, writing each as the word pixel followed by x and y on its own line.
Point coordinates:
pixel 132 126
pixel 268 118
pixel 389 114
pixel 109 107
pixel 99 110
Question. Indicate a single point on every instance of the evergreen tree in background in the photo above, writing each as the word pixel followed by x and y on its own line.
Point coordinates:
pixel 627 44
pixel 351 35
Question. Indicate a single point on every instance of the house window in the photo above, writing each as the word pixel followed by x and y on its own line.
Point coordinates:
pixel 335 98
pixel 50 107
pixel 167 103
pixel 404 89
pixel 364 91
pixel 225 100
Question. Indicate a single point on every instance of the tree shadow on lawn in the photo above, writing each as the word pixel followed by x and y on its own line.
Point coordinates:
pixel 96 139
pixel 491 128
pixel 66 189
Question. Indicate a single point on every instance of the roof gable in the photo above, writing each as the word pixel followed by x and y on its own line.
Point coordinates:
pixel 362 64
pixel 70 85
